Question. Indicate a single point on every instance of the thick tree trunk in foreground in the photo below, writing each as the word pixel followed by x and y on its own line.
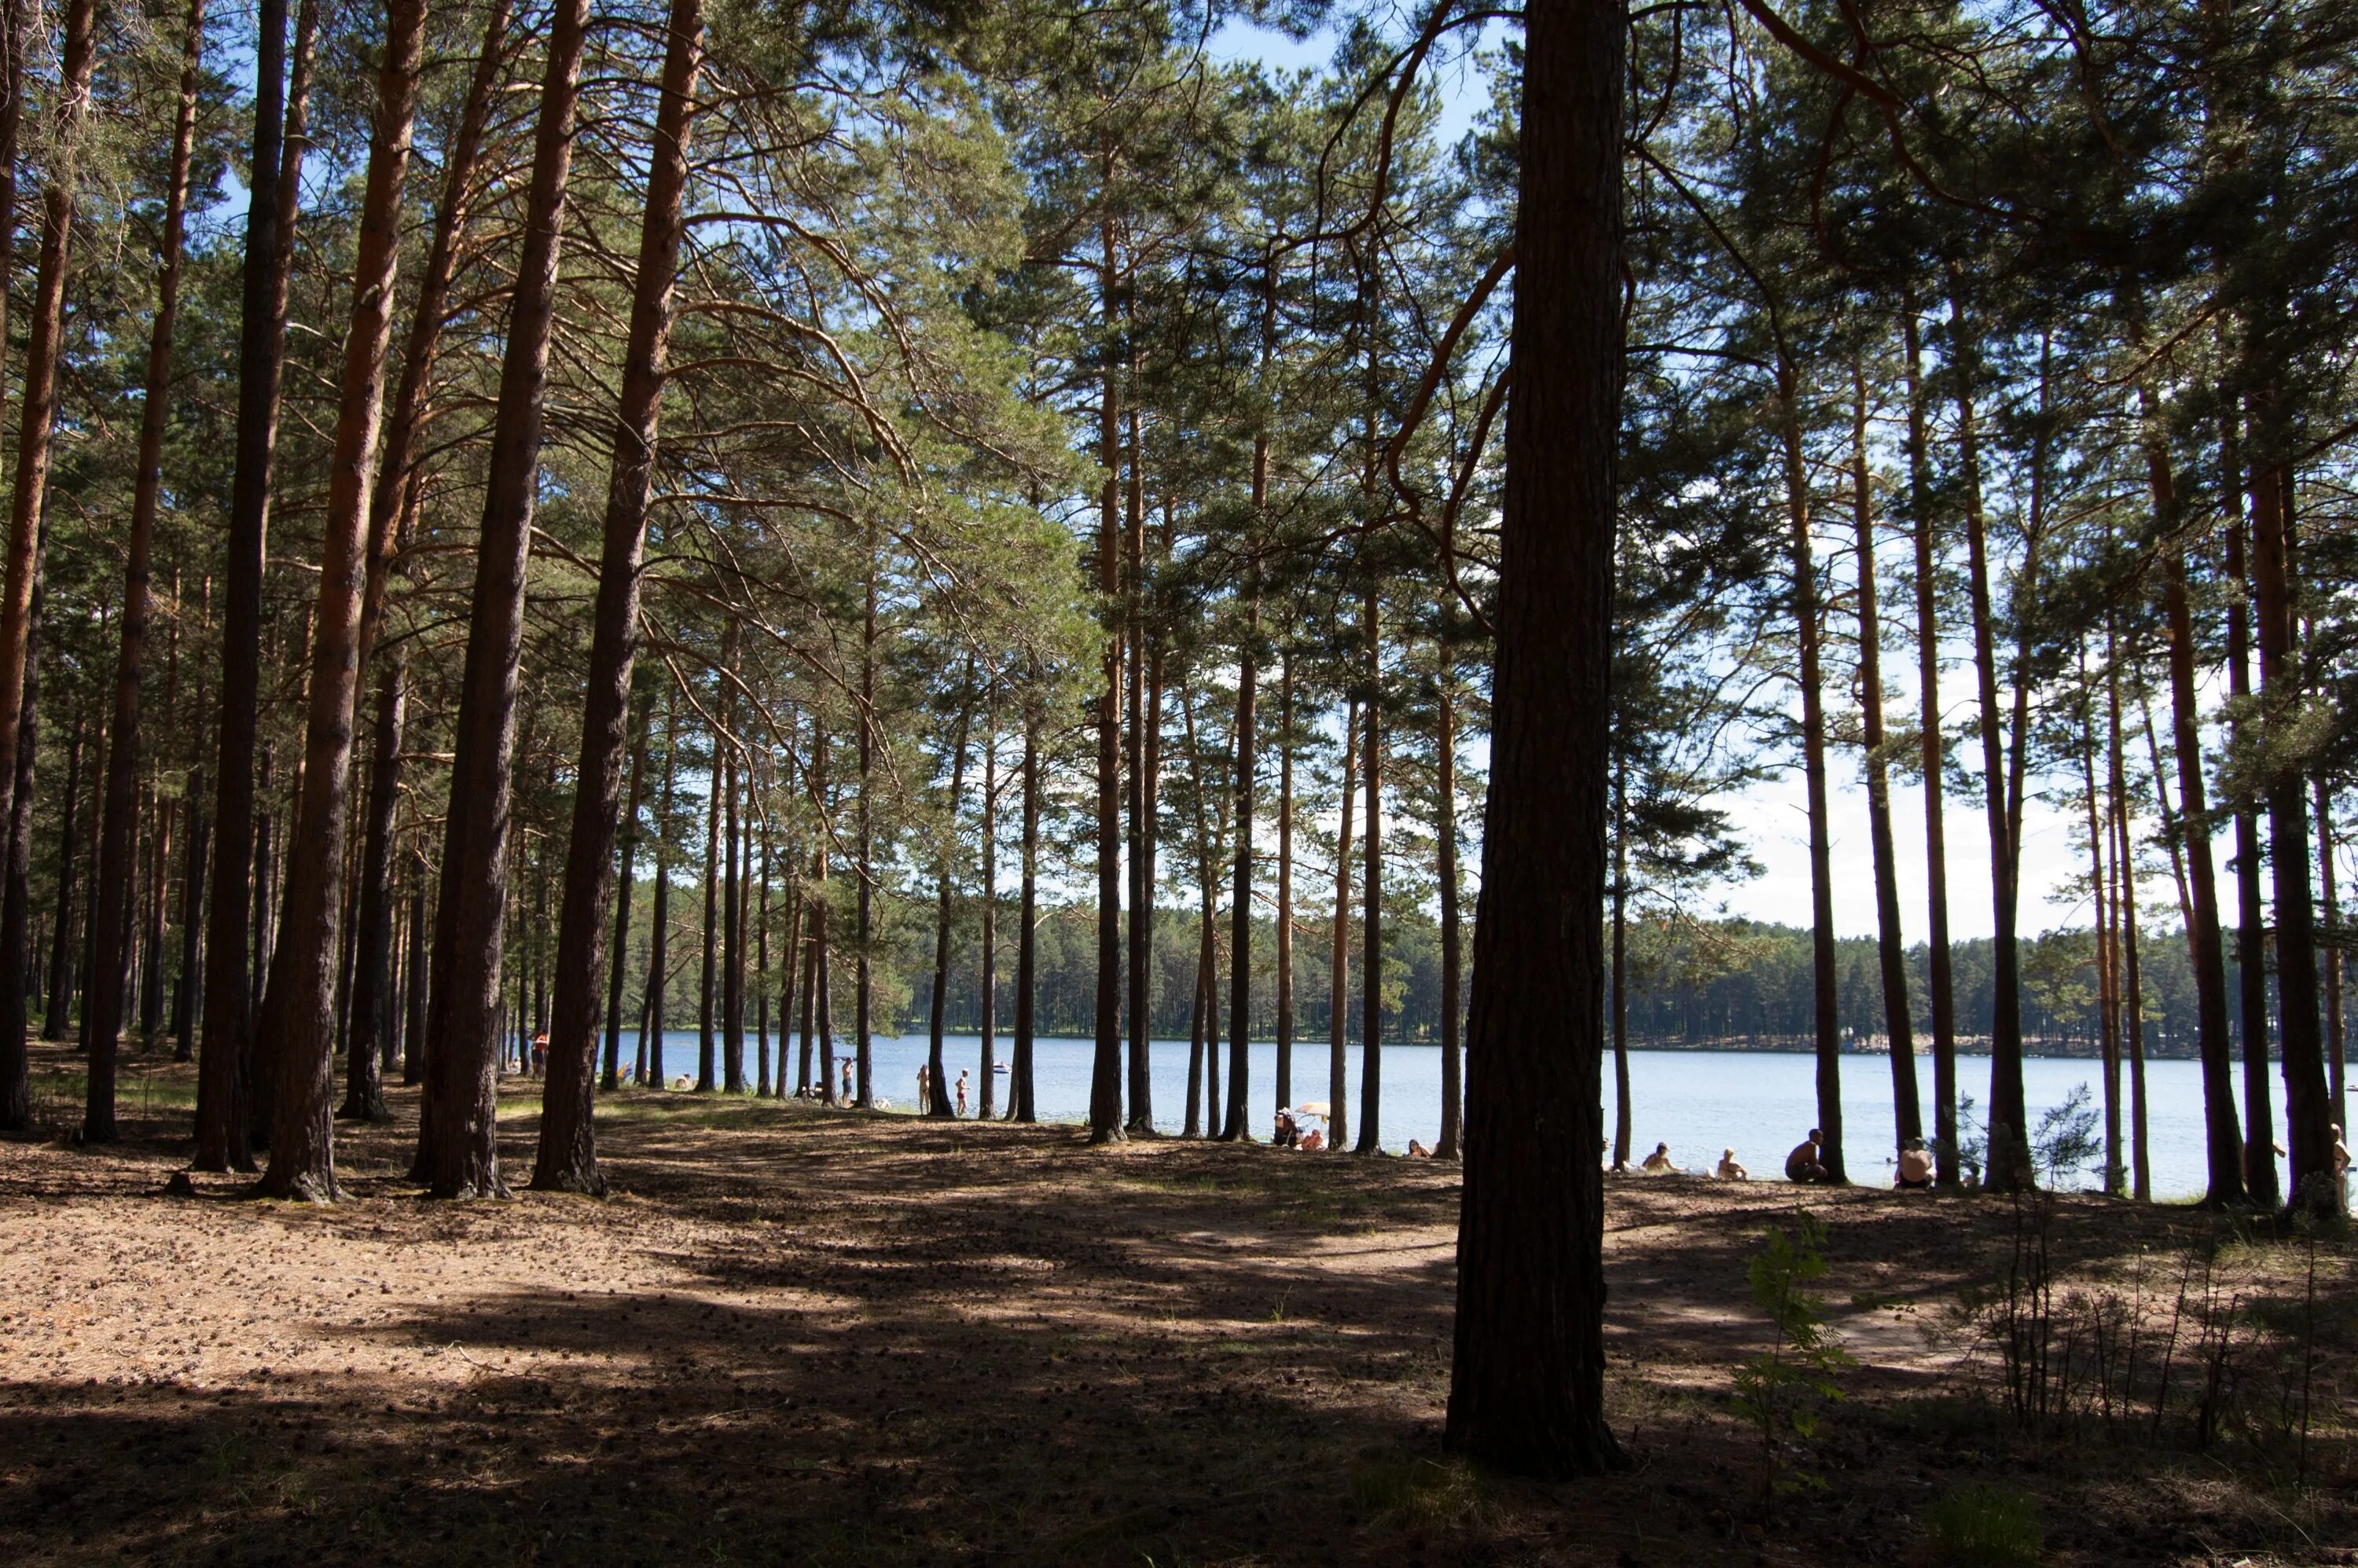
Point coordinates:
pixel 224 1085
pixel 464 1023
pixel 111 892
pixel 301 1141
pixel 1527 1382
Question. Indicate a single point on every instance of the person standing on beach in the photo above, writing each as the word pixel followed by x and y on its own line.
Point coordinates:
pixel 961 1092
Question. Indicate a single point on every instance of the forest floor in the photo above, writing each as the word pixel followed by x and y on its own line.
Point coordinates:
pixel 806 1336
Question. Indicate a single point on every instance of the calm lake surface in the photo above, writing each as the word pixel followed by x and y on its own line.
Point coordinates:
pixel 1698 1102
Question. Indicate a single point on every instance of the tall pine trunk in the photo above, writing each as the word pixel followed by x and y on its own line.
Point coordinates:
pixel 627 882
pixel 1807 633
pixel 2251 945
pixel 16 893
pixel 463 1024
pixel 44 347
pixel 111 893
pixel 1104 1078
pixel 1240 908
pixel 224 1113
pixel 1891 945
pixel 987 984
pixel 654 998
pixel 2009 1139
pixel 2308 1116
pixel 1371 890
pixel 1338 977
pixel 943 1106
pixel 1527 1375
pixel 376 919
pixel 708 982
pixel 2223 1138
pixel 1023 1103
pixel 301 1141
pixel 1286 877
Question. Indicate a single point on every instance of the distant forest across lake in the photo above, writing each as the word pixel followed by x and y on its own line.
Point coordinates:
pixel 1727 984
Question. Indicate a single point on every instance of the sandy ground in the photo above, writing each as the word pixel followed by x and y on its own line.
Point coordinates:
pixel 811 1336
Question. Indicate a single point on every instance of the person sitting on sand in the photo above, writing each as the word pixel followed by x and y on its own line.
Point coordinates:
pixel 1803 1164
pixel 1729 1170
pixel 1417 1150
pixel 1313 1141
pixel 1915 1167
pixel 1289 1131
pixel 1658 1163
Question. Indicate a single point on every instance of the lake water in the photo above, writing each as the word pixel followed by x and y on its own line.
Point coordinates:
pixel 1698 1102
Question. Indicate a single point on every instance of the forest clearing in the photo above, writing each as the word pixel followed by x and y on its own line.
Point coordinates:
pixel 833 1336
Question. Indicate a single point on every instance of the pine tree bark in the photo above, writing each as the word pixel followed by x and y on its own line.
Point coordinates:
pixel 2125 916
pixel 37 399
pixel 1104 1078
pixel 1527 1376
pixel 1451 1142
pixel 1238 1128
pixel 463 1025
pixel 987 985
pixel 942 1107
pixel 1023 1104
pixel 653 1007
pixel 1285 877
pixel 2009 1139
pixel 61 950
pixel 189 980
pixel 224 1113
pixel 709 984
pixel 376 920
pixel 1139 974
pixel 1338 977
pixel 15 891
pixel 2308 1112
pixel 2251 945
pixel 2224 1136
pixel 1891 946
pixel 1807 633
pixel 302 1163
pixel 1371 924
pixel 626 888
pixel 733 935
